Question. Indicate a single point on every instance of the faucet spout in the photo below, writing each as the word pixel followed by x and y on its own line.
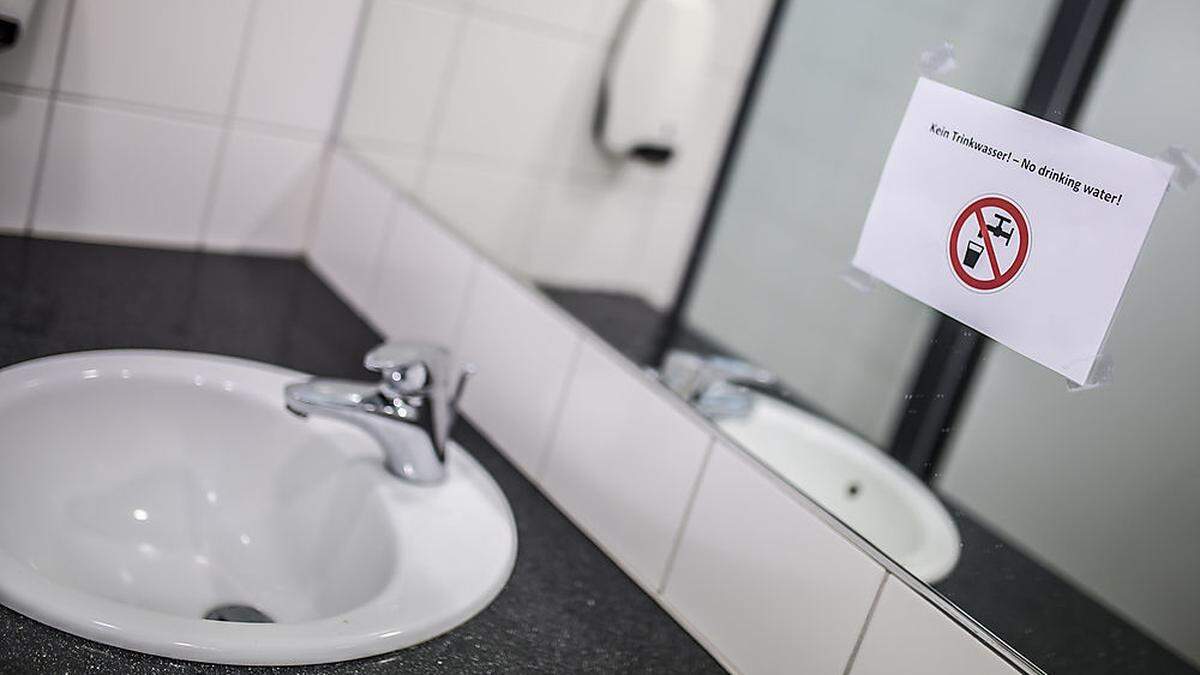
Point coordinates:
pixel 409 412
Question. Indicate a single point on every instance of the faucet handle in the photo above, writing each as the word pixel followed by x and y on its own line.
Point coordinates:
pixel 409 368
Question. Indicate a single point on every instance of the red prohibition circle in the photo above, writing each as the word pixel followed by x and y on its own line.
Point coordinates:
pixel 969 213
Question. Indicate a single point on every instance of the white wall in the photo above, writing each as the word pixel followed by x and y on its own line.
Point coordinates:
pixel 180 123
pixel 482 111
pixel 836 87
pixel 1102 485
pixel 757 573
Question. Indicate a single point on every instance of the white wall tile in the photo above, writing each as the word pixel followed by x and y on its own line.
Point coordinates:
pixel 775 588
pixel 909 636
pixel 420 289
pixel 21 122
pixel 173 53
pixel 519 95
pixel 584 16
pixel 739 29
pixel 704 134
pixel 671 233
pixel 524 352
pixel 263 194
pixel 624 461
pixel 493 207
pixel 405 59
pixel 125 176
pixel 591 230
pixel 355 209
pixel 403 170
pixel 31 63
pixel 296 61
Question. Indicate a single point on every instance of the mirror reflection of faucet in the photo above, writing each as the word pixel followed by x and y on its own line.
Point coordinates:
pixel 717 386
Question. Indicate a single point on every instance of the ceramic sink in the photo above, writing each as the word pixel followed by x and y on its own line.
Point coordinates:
pixel 142 491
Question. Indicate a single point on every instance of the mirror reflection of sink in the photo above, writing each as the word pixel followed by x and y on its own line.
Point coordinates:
pixel 858 483
pixel 142 491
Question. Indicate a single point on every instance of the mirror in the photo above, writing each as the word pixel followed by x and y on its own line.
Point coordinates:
pixel 1062 520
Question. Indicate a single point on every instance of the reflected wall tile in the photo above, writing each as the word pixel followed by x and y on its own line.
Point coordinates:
pixel 515 95
pixel 22 119
pixel 494 207
pixel 591 230
pixel 296 60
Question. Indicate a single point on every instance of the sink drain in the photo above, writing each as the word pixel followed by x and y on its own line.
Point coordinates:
pixel 238 613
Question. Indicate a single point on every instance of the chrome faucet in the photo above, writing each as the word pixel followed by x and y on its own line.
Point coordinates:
pixel 409 412
pixel 717 386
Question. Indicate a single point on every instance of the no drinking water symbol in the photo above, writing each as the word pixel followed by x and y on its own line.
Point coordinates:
pixel 989 243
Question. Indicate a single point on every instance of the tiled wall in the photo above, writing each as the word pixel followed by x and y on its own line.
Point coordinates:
pixel 759 575
pixel 183 123
pixel 104 138
pixel 482 110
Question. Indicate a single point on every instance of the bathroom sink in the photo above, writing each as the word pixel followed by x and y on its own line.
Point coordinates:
pixel 143 491
pixel 858 483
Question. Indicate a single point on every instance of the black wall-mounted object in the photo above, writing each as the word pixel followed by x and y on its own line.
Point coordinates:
pixel 9 32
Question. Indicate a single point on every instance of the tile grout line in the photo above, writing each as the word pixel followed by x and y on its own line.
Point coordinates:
pixel 441 98
pixel 333 134
pixel 540 27
pixel 316 201
pixel 214 178
pixel 372 288
pixel 169 113
pixel 560 406
pixel 862 634
pixel 669 565
pixel 458 333
pixel 39 169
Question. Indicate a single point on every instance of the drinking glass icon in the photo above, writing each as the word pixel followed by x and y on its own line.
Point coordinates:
pixel 972 255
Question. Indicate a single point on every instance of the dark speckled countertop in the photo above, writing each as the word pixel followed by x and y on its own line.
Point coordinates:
pixel 567 607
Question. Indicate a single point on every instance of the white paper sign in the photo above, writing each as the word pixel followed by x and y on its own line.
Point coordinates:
pixel 1019 228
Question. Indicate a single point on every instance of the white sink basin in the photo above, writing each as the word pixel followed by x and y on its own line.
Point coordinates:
pixel 139 490
pixel 858 483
